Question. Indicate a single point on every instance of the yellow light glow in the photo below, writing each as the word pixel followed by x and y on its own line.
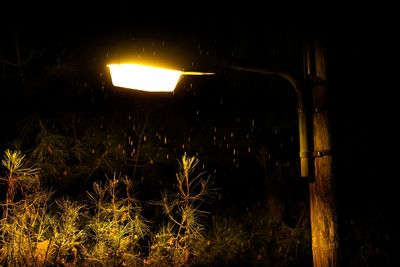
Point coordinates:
pixel 144 78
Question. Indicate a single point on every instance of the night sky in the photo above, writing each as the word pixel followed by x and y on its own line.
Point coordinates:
pixel 222 119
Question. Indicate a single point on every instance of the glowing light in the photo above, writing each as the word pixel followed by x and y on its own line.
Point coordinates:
pixel 144 78
pixel 147 78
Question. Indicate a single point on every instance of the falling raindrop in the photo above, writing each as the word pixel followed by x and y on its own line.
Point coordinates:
pixel 249 149
pixel 167 156
pixel 252 123
pixel 144 138
pixel 222 101
pixel 234 151
pixel 197 112
pixel 231 134
pixel 165 140
pixel 215 129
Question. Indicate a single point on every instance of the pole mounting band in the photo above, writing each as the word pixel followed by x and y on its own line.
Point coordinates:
pixel 317 154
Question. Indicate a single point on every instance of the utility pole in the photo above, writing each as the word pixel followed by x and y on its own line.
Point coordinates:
pixel 323 209
pixel 316 163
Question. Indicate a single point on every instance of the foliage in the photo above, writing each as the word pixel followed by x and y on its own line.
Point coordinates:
pixel 39 229
pixel 226 243
pixel 175 243
pixel 115 225
pixel 18 176
pixel 278 243
pixel 72 150
pixel 26 232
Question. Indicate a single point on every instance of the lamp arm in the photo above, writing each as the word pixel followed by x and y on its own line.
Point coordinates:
pixel 304 153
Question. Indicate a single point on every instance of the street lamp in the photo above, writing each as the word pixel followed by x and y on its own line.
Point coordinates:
pixel 155 79
pixel 325 241
pixel 147 78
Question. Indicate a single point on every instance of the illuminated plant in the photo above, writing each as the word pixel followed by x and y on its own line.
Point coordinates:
pixel 25 234
pixel 115 225
pixel 175 243
pixel 18 177
pixel 67 233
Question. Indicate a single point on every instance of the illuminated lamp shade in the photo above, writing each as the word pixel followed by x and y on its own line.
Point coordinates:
pixel 146 78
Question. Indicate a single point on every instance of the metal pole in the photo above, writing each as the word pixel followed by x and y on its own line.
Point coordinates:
pixel 304 152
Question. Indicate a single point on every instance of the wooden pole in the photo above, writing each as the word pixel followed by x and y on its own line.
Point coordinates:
pixel 324 230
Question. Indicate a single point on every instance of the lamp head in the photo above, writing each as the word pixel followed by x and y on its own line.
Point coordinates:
pixel 147 78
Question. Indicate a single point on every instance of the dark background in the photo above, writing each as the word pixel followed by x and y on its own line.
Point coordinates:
pixel 361 53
